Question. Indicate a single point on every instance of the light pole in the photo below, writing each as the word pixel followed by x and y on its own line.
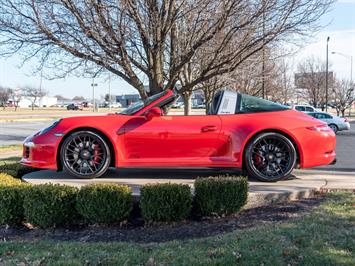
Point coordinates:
pixel 109 91
pixel 351 62
pixel 326 78
pixel 351 69
pixel 93 85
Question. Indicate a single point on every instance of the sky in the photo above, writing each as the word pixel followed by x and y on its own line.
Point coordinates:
pixel 339 26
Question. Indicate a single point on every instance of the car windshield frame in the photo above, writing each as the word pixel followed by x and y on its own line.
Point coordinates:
pixel 258 105
pixel 139 105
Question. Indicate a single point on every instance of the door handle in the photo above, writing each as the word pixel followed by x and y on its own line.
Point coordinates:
pixel 208 128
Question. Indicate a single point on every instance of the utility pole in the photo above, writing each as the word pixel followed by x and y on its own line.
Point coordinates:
pixel 40 89
pixel 326 78
pixel 350 57
pixel 109 91
pixel 351 71
pixel 263 63
pixel 93 85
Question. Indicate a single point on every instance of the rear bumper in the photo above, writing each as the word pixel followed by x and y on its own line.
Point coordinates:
pixel 344 126
pixel 317 148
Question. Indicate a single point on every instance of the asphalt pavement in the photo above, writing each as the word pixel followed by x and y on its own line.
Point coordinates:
pixel 16 132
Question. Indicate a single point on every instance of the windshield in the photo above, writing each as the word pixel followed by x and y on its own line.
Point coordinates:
pixel 251 104
pixel 140 104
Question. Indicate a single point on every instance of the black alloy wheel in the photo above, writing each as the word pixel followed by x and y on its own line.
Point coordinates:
pixel 85 154
pixel 270 157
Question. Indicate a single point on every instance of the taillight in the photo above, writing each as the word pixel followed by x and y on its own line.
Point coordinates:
pixel 345 119
pixel 320 128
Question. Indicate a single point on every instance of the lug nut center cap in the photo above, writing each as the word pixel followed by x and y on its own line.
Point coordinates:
pixel 85 154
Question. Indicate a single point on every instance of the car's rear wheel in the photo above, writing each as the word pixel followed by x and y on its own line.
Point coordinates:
pixel 334 128
pixel 270 157
pixel 85 154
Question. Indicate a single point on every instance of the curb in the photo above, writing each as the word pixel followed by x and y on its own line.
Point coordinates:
pixel 256 200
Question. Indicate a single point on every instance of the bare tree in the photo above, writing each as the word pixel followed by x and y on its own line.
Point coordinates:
pixel 280 85
pixel 311 80
pixel 16 98
pixel 5 94
pixel 343 95
pixel 141 40
pixel 78 98
pixel 33 95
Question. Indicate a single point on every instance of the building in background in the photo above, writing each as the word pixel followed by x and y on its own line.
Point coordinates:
pixel 128 99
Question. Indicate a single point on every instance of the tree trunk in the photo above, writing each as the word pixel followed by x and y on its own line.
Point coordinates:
pixel 187 102
pixel 343 112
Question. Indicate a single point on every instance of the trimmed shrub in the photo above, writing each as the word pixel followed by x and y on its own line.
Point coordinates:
pixel 104 203
pixel 220 195
pixel 15 169
pixel 50 205
pixel 11 204
pixel 9 180
pixel 165 202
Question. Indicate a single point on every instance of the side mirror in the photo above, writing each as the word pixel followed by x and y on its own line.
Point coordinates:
pixel 153 112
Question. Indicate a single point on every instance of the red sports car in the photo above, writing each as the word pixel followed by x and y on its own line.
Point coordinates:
pixel 264 138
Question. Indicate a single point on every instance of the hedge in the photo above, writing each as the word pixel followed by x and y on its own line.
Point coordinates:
pixel 220 195
pixel 50 205
pixel 15 169
pixel 104 203
pixel 11 204
pixel 165 202
pixel 9 180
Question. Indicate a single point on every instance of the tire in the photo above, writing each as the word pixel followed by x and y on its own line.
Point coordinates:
pixel 85 154
pixel 270 157
pixel 334 128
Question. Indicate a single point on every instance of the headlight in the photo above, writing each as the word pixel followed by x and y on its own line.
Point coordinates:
pixel 45 130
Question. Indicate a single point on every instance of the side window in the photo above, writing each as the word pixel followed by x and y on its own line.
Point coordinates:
pixel 309 109
pixel 326 116
pixel 300 108
pixel 228 104
pixel 313 115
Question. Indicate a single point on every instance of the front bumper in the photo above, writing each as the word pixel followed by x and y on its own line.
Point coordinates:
pixel 40 152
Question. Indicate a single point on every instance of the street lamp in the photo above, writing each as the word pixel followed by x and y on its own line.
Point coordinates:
pixel 326 78
pixel 93 85
pixel 351 62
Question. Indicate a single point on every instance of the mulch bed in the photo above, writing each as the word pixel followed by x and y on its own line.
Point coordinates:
pixel 140 233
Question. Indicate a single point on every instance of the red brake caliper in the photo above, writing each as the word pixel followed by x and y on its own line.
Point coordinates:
pixel 96 154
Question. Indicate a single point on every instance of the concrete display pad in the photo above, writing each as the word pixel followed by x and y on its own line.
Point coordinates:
pixel 302 183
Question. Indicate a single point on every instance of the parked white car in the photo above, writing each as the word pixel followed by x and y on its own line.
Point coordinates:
pixel 178 105
pixel 304 108
pixel 116 105
pixel 334 122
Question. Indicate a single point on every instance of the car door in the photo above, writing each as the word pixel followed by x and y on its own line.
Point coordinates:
pixel 170 140
pixel 192 137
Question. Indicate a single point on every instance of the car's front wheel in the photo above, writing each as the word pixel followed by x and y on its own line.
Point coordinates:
pixel 270 157
pixel 85 154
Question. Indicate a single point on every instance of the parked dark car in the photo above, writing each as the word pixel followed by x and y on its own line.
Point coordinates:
pixel 74 106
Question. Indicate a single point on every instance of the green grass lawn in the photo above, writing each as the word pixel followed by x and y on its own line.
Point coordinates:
pixel 326 236
pixel 13 147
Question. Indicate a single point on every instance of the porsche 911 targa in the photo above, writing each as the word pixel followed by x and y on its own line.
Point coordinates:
pixel 266 139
